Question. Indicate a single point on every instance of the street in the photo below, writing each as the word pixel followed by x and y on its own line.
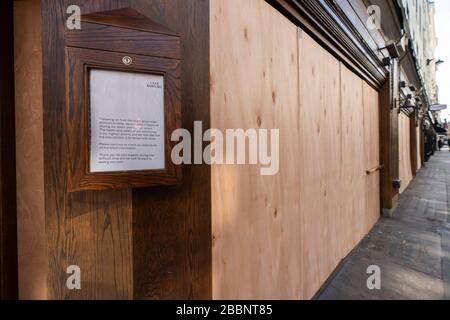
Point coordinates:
pixel 412 249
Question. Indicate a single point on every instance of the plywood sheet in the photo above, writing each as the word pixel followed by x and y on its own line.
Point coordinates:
pixel 281 237
pixel 372 154
pixel 352 188
pixel 404 151
pixel 320 164
pixel 255 219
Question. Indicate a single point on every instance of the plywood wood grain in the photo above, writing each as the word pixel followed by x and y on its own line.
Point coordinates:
pixel 353 158
pixel 323 221
pixel 404 151
pixel 92 230
pixel 145 243
pixel 389 143
pixel 256 219
pixel 32 242
pixel 282 236
pixel 172 225
pixel 372 157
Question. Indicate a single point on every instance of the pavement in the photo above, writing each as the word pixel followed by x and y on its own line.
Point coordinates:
pixel 411 249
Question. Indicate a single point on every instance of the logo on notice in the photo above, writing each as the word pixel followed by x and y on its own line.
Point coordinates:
pixel 155 85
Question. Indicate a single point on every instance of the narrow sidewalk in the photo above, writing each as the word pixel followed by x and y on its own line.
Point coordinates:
pixel 412 249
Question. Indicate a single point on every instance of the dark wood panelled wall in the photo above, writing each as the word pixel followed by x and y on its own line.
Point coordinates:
pixel 149 243
pixel 8 244
pixel 389 144
pixel 156 242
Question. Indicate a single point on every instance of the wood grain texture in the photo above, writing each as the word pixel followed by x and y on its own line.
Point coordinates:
pixel 304 220
pixel 89 229
pixel 353 158
pixel 148 243
pixel 256 219
pixel 336 27
pixel 406 174
pixel 127 18
pixel 99 36
pixel 372 160
pixel 32 241
pixel 8 216
pixel 172 225
pixel 323 223
pixel 389 142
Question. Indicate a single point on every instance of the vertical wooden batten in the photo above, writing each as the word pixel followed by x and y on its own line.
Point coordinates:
pixel 172 225
pixel 32 244
pixel 8 223
pixel 389 146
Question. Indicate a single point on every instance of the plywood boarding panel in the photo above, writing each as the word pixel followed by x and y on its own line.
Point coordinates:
pixel 32 242
pixel 256 219
pixel 372 154
pixel 419 148
pixel 307 218
pixel 404 151
pixel 323 222
pixel 352 190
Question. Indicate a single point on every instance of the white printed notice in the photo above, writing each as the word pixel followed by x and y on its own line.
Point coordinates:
pixel 127 121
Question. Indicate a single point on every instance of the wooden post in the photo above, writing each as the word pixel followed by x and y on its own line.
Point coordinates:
pixel 389 146
pixel 146 243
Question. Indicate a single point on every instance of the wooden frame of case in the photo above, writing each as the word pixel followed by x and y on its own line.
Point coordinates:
pixel 79 61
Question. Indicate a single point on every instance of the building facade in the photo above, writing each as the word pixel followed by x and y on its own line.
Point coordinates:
pixel 420 32
pixel 346 83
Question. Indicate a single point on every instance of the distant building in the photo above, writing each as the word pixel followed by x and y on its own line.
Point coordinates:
pixel 421 38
